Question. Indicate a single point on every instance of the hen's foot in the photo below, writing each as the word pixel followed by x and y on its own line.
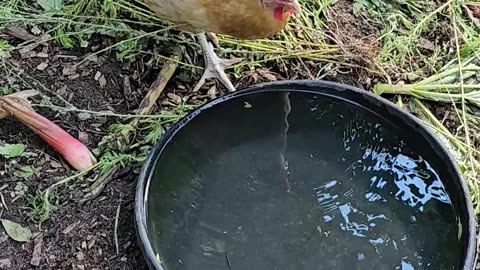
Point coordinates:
pixel 215 66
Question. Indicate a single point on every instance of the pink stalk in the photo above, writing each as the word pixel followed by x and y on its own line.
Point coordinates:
pixel 72 150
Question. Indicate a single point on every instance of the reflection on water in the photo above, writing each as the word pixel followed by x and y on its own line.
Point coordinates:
pixel 397 176
pixel 300 183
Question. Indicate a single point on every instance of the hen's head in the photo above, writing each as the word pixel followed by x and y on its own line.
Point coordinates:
pixel 282 9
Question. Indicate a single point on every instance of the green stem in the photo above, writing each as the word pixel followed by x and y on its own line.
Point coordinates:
pixel 111 114
pixel 407 89
pixel 446 73
pixel 398 89
pixel 68 179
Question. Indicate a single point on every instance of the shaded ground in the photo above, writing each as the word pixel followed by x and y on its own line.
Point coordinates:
pixel 79 236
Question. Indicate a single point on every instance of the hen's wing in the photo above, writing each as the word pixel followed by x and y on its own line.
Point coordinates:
pixel 187 14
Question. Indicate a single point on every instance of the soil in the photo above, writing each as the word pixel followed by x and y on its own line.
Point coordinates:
pixel 356 35
pixel 81 235
pixel 78 236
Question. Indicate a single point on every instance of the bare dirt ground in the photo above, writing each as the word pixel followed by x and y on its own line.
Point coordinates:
pixel 79 236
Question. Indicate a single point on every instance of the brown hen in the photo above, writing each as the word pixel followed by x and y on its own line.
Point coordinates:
pixel 244 19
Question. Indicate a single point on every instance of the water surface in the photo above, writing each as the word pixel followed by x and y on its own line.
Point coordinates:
pixel 299 182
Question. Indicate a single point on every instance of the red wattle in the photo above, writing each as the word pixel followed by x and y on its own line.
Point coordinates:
pixel 278 13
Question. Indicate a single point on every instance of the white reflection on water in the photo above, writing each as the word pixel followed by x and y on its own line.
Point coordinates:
pixel 410 180
pixel 415 179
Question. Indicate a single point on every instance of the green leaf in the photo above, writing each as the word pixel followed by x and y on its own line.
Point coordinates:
pixel 12 150
pixel 16 231
pixel 51 5
pixel 25 172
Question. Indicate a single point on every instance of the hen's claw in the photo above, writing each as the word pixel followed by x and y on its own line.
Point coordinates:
pixel 214 65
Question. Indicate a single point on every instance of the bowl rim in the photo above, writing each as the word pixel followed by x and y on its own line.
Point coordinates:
pixel 294 86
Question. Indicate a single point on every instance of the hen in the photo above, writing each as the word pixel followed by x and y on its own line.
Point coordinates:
pixel 243 19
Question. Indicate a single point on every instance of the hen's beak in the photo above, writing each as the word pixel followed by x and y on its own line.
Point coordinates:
pixel 292 5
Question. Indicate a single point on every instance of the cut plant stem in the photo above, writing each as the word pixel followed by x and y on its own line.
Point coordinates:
pixel 71 149
pixel 427 92
pixel 408 88
pixel 156 89
pixel 441 81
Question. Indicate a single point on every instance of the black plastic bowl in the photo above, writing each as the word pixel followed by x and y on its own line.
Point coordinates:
pixel 448 169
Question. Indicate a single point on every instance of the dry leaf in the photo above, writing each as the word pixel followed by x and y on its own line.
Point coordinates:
pixel 16 231
pixel 5 264
pixel 175 98
pixel 42 66
pixel 69 70
pixel 102 81
pixel 37 252
pixel 426 44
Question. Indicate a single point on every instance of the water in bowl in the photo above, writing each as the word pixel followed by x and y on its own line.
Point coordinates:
pixel 295 181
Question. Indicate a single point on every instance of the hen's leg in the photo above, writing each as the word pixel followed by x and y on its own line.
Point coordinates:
pixel 214 66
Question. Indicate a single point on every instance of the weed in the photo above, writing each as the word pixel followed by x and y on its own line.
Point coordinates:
pixel 6 90
pixel 5 49
pixel 43 205
pixel 123 146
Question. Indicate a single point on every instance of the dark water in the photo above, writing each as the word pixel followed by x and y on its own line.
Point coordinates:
pixel 325 185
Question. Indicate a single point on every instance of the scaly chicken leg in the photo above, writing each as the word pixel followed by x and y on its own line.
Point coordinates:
pixel 214 66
